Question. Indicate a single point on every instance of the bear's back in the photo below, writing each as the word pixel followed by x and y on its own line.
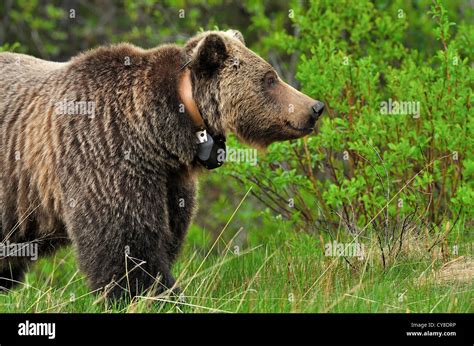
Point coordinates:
pixel 20 68
pixel 27 61
pixel 20 74
pixel 26 86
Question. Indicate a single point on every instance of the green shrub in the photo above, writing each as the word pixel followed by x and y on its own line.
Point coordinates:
pixel 366 171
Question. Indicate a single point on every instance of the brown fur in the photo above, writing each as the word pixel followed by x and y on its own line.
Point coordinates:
pixel 117 181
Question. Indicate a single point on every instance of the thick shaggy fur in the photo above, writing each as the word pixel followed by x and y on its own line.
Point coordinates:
pixel 120 183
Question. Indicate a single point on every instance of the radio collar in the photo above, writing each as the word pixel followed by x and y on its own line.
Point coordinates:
pixel 211 151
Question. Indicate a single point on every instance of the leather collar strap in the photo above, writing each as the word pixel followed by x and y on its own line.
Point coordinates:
pixel 185 90
pixel 211 152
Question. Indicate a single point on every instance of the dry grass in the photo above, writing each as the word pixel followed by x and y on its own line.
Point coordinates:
pixel 459 270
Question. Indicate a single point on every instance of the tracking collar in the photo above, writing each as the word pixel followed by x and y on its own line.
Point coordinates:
pixel 211 151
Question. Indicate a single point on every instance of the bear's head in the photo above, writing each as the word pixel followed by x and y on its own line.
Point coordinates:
pixel 236 90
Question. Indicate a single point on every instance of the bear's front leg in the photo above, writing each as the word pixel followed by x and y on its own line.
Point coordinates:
pixel 123 241
pixel 181 209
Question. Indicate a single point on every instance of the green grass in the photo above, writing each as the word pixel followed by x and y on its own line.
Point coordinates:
pixel 289 273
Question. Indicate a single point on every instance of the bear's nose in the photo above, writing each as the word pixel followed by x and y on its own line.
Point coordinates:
pixel 317 109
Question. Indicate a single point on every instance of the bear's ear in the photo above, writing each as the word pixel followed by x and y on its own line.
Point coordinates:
pixel 211 54
pixel 237 35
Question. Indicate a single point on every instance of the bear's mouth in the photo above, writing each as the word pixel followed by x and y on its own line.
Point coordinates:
pixel 299 129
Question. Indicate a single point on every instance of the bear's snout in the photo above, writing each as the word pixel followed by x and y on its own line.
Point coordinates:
pixel 317 109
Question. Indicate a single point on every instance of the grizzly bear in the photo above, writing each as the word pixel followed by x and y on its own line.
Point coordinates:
pixel 103 150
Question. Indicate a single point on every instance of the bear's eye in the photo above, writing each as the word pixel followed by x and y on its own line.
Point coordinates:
pixel 270 80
